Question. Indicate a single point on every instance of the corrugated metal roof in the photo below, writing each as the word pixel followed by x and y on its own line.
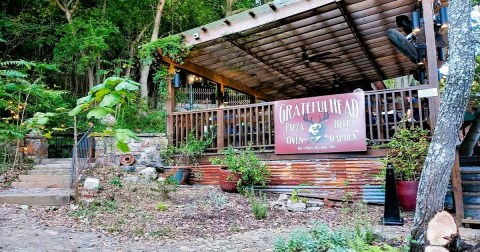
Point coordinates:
pixel 263 50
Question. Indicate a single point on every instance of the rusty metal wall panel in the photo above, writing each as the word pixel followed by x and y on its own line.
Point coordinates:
pixel 337 179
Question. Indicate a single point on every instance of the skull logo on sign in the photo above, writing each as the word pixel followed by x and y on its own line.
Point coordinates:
pixel 316 130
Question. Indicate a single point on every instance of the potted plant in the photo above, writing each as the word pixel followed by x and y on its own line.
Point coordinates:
pixel 183 158
pixel 243 170
pixel 406 152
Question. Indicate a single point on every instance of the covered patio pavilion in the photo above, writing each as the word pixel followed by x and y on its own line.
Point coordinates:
pixel 293 49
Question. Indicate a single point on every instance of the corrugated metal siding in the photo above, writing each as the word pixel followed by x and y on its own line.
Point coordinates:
pixel 376 194
pixel 337 179
pixel 471 190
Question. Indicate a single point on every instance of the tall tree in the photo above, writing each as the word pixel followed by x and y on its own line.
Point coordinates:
pixel 439 162
pixel 145 66
pixel 69 7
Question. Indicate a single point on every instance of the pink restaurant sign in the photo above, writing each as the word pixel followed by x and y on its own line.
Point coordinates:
pixel 323 124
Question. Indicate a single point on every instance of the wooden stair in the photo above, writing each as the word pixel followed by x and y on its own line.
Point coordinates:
pixel 466 189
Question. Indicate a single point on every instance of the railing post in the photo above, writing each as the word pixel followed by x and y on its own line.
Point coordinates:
pixel 431 52
pixel 220 129
pixel 170 109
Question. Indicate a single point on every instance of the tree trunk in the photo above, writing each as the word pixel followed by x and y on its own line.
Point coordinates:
pixel 133 45
pixel 91 77
pixel 441 153
pixel 145 68
pixel 144 71
pixel 229 9
pixel 471 139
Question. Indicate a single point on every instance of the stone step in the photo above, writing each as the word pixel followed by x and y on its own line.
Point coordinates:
pixel 36 197
pixel 56 161
pixel 53 166
pixel 45 178
pixel 50 172
pixel 40 185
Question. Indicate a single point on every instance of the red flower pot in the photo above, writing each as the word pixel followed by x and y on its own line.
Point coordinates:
pixel 228 180
pixel 407 194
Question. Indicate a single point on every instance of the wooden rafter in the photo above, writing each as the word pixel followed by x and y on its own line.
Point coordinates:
pixel 349 20
pixel 208 74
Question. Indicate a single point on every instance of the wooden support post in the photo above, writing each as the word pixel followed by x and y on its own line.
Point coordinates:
pixel 220 129
pixel 219 94
pixel 170 107
pixel 457 189
pixel 253 99
pixel 434 102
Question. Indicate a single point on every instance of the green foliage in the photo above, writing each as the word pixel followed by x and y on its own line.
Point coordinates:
pixel 24 95
pixel 94 208
pixel 107 98
pixel 168 155
pixel 259 204
pixel 116 181
pixel 321 238
pixel 218 200
pixel 161 206
pixel 295 197
pixel 166 187
pixel 253 170
pixel 190 150
pixel 172 47
pixel 83 42
pixel 407 151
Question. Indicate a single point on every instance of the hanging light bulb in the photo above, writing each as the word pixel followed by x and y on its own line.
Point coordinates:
pixel 444 17
pixel 191 78
pixel 416 21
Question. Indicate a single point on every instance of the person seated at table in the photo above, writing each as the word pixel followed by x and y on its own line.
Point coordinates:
pixel 378 85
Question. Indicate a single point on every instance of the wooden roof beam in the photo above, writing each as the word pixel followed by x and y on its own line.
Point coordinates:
pixel 243 21
pixel 349 20
pixel 205 73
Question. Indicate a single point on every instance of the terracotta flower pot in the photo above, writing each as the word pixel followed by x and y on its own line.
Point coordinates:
pixel 228 180
pixel 180 174
pixel 407 194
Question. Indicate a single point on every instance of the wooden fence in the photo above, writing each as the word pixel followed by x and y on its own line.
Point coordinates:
pixel 241 126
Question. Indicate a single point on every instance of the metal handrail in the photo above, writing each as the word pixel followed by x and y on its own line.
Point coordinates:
pixel 81 153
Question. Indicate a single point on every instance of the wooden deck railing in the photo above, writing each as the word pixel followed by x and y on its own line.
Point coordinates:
pixel 387 110
pixel 236 126
pixel 253 124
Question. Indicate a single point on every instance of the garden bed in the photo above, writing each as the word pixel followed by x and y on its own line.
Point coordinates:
pixel 132 212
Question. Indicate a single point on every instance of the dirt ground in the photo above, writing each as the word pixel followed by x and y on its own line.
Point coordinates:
pixel 196 218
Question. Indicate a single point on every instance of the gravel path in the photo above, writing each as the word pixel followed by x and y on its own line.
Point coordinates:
pixel 20 232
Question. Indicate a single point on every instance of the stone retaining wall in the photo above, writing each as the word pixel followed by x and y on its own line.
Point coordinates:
pixel 146 150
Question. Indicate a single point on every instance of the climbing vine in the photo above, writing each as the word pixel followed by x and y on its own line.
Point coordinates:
pixel 172 47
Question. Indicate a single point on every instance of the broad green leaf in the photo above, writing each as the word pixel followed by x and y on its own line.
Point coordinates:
pixel 112 81
pixel 96 88
pixel 122 137
pixel 49 114
pixel 76 110
pixel 99 112
pixel 126 132
pixel 123 147
pixel 128 85
pixel 42 120
pixel 110 100
pixel 48 135
pixel 102 92
pixel 85 99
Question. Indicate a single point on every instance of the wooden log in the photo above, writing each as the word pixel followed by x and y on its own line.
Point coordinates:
pixel 442 229
pixel 435 249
